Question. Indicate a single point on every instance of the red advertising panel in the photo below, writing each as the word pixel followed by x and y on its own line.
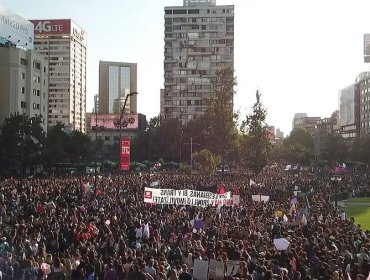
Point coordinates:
pixel 125 153
pixel 52 26
pixel 111 122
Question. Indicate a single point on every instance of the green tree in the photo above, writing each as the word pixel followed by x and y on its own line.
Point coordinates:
pixel 336 148
pixel 57 141
pixel 22 141
pixel 299 146
pixel 360 150
pixel 207 161
pixel 139 148
pixel 300 136
pixel 154 148
pixel 221 132
pixel 169 134
pixel 255 142
pixel 80 149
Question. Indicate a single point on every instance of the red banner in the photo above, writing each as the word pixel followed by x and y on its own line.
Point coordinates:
pixel 125 153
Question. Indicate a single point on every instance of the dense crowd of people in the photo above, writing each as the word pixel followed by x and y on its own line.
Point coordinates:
pixel 80 227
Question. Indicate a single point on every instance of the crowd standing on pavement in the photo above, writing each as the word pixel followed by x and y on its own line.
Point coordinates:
pixel 79 227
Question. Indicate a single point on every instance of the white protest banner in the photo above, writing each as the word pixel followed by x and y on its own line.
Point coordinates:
pixel 216 270
pixel 259 198
pixel 186 197
pixel 256 197
pixel 296 193
pixel 236 199
pixel 232 267
pixel 281 244
pixel 200 271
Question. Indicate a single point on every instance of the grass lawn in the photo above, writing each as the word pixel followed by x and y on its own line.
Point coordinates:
pixel 361 213
pixel 360 199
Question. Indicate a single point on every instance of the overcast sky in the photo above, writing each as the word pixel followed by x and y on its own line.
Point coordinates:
pixel 299 54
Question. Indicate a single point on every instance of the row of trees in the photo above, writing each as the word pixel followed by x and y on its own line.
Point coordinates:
pixel 299 147
pixel 219 136
pixel 24 145
pixel 214 135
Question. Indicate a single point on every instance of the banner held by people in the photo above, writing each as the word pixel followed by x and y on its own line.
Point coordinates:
pixel 186 197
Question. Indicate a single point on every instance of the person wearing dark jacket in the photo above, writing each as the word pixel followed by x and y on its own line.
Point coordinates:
pixel 185 275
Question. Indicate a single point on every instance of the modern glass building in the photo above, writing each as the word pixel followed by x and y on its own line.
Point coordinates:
pixel 116 81
pixel 198 40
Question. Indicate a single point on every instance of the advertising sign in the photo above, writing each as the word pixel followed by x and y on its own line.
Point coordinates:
pixel 125 153
pixel 111 122
pixel 347 106
pixel 52 26
pixel 78 33
pixel 186 197
pixel 16 29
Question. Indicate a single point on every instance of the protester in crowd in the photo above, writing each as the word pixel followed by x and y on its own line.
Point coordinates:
pixel 63 228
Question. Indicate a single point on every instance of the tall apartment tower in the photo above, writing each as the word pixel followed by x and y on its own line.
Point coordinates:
pixel 116 81
pixel 23 83
pixel 63 43
pixel 198 40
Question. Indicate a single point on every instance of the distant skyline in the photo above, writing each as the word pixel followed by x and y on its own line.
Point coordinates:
pixel 299 54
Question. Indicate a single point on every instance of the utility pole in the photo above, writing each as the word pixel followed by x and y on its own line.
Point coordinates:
pixel 96 143
pixel 181 145
pixel 191 153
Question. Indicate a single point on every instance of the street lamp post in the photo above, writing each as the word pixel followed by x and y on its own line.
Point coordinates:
pixel 181 146
pixel 22 151
pixel 96 143
pixel 120 135
pixel 191 153
pixel 336 179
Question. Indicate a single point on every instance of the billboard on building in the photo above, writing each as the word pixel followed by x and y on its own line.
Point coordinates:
pixel 52 26
pixel 59 27
pixel 367 48
pixel 347 106
pixel 111 122
pixel 125 153
pixel 16 29
pixel 78 33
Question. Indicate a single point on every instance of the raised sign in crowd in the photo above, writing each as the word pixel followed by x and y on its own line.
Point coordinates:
pixel 277 225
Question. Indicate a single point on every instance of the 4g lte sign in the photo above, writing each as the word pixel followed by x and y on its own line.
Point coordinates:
pixel 62 26
pixel 46 26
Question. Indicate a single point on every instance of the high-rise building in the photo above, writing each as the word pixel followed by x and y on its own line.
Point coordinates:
pixel 199 39
pixel 116 81
pixel 279 134
pixel 324 128
pixel 301 121
pixel 23 72
pixel 296 119
pixel 363 109
pixel 63 43
pixel 23 83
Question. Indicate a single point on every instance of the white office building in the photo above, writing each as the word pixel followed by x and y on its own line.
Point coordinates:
pixel 199 39
pixel 23 83
pixel 63 43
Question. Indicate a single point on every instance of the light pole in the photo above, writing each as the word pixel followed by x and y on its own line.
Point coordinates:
pixel 181 146
pixel 191 153
pixel 120 135
pixel 336 179
pixel 96 143
pixel 22 147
